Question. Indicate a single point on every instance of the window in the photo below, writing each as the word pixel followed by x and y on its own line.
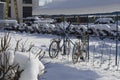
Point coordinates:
pixel 9 12
pixel 27 12
pixel 27 1
pixel 1 11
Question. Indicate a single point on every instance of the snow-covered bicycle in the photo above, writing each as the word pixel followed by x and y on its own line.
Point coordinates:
pixel 80 49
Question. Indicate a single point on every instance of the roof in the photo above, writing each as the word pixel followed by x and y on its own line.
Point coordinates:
pixel 68 7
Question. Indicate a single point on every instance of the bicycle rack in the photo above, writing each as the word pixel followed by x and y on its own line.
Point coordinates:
pixel 102 52
pixel 94 54
pixel 110 56
pixel 118 66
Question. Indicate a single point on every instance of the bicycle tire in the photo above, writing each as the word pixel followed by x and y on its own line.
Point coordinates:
pixel 53 49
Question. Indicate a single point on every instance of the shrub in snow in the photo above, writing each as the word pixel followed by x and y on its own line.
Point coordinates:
pixel 22 47
pixel 16 65
pixel 8 70
pixel 31 65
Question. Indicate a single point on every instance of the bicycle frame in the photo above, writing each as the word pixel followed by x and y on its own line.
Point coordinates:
pixel 65 37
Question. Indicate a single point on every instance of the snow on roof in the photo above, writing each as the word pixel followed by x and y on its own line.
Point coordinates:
pixel 58 7
pixel 58 4
pixel 104 20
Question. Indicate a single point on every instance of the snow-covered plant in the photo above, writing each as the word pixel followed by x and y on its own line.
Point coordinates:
pixel 16 64
pixel 40 54
pixel 22 47
pixel 17 46
pixel 5 42
pixel 8 70
pixel 30 47
pixel 31 65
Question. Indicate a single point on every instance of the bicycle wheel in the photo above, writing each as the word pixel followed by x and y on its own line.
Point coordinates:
pixel 75 54
pixel 53 49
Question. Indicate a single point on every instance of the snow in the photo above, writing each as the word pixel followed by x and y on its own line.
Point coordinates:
pixel 62 68
pixel 28 62
pixel 68 73
pixel 56 4
pixel 32 67
pixel 70 7
pixel 105 20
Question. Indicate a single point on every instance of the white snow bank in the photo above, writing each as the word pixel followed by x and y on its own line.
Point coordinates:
pixel 31 65
pixel 27 61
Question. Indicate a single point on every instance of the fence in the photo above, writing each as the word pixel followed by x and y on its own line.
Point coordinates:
pixel 104 37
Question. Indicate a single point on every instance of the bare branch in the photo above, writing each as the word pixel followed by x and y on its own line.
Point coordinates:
pixel 5 42
pixel 30 47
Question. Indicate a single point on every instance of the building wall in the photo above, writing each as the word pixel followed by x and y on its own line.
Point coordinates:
pixel 25 8
pixel 2 7
pixel 21 6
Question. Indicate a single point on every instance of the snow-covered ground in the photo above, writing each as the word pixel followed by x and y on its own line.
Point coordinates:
pixel 61 68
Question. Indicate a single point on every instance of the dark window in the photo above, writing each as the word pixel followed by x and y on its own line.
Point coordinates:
pixel 27 1
pixel 9 12
pixel 1 11
pixel 27 12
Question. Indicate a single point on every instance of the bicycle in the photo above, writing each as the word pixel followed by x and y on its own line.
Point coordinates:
pixel 56 47
pixel 80 49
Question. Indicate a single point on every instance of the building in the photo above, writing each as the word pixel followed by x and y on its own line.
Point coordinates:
pixel 25 8
pixel 2 8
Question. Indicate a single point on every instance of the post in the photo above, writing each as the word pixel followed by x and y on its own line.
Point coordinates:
pixel 64 37
pixel 78 19
pixel 116 58
pixel 88 36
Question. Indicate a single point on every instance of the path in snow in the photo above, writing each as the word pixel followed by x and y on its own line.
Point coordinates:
pixel 57 71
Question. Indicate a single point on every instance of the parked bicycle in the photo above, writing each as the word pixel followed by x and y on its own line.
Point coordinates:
pixel 61 44
pixel 80 49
